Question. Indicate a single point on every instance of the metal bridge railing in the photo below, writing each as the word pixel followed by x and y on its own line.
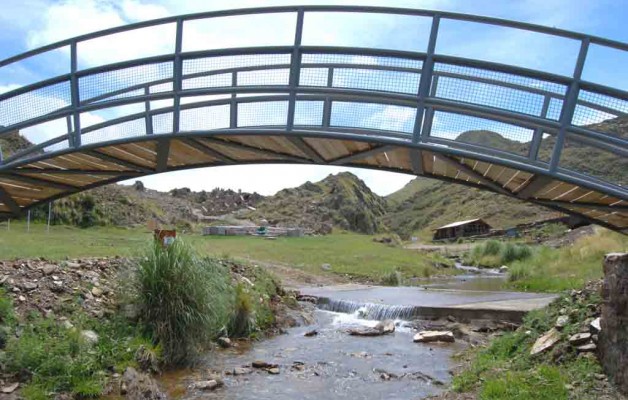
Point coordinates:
pixel 423 96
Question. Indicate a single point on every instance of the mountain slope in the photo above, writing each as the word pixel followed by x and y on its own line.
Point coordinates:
pixel 341 200
pixel 424 204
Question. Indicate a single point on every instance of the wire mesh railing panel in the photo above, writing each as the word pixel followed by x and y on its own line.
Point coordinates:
pixel 204 82
pixel 387 81
pixel 204 118
pixel 277 77
pixel 35 103
pixel 586 159
pixel 123 130
pixel 217 63
pixel 19 142
pixel 95 117
pixel 602 113
pixel 481 132
pixel 384 61
pixel 162 123
pixel 554 109
pixel 313 77
pixel 490 95
pixel 308 113
pixel 270 113
pixel 497 77
pixel 99 85
pixel 373 116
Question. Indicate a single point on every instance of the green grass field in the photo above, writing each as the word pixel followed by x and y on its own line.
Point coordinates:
pixel 348 253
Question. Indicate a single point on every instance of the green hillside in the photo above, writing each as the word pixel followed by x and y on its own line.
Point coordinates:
pixel 341 201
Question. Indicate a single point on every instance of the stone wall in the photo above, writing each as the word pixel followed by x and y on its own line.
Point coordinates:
pixel 613 340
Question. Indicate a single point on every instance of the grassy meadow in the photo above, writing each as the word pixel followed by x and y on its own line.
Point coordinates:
pixel 347 253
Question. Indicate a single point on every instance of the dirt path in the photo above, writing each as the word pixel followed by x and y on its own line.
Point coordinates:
pixel 294 278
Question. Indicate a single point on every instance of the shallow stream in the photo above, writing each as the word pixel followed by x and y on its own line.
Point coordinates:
pixel 335 365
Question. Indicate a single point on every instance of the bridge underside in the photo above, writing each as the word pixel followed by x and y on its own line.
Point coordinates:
pixel 48 178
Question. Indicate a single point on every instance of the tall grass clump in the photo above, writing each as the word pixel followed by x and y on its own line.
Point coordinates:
pixel 393 278
pixel 185 300
pixel 243 321
pixel 494 253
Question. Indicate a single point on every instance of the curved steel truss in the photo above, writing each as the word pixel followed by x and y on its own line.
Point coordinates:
pixel 557 140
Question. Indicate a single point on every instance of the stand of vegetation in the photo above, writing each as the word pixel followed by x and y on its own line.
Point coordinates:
pixel 65 331
pixel 546 269
pixel 509 369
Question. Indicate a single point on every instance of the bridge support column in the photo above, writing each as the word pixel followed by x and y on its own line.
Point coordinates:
pixel 613 339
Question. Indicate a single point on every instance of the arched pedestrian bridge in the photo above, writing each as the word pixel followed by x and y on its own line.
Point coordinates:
pixel 523 110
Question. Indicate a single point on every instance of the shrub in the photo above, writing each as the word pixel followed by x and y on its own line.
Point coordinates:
pixel 513 252
pixel 491 248
pixel 184 299
pixel 393 278
pixel 243 320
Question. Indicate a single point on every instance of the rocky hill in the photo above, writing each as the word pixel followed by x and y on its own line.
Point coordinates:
pixel 13 142
pixel 343 201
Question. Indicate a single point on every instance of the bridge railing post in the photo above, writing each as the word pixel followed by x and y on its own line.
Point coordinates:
pixel 537 136
pixel 147 117
pixel 177 77
pixel 295 69
pixel 327 104
pixel 426 79
pixel 233 104
pixel 74 135
pixel 569 106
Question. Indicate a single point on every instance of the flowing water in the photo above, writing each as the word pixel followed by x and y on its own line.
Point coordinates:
pixel 335 365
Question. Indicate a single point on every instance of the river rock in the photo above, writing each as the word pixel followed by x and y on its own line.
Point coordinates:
pixel 503 269
pixel 89 337
pixel 263 364
pixel 366 331
pixel 579 338
pixel 241 371
pixel 28 286
pixel 587 348
pixel 595 326
pixel 545 342
pixel 210 384
pixel 224 342
pixel 10 388
pixel 273 371
pixel 387 326
pixel 434 336
pixel 326 267
pixel 97 292
pixel 561 322
pixel 311 333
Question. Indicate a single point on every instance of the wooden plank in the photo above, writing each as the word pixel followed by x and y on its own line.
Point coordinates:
pixel 122 157
pixel 182 153
pixel 360 155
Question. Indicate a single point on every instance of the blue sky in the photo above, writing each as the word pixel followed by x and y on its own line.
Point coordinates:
pixel 31 23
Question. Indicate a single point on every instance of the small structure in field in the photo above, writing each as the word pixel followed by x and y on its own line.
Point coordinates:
pixel 254 230
pixel 472 227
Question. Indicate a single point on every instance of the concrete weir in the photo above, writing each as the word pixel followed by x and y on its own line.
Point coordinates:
pixel 411 302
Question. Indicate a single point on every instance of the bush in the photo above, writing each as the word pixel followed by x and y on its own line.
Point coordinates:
pixel 243 320
pixel 185 300
pixel 393 278
pixel 491 248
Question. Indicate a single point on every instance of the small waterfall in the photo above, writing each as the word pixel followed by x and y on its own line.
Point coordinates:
pixel 370 311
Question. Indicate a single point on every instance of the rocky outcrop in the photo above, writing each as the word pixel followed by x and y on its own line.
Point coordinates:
pixel 613 337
